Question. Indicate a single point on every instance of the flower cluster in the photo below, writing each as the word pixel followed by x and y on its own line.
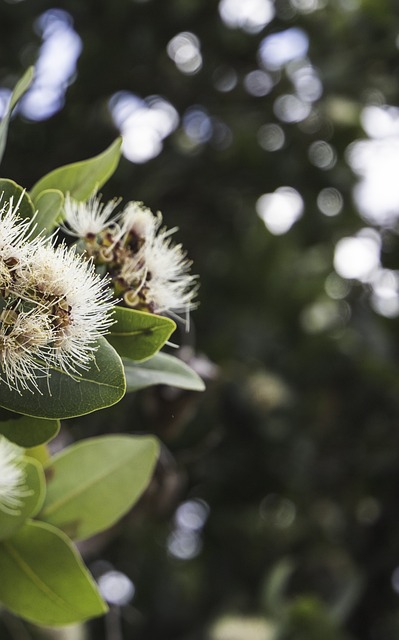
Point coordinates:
pixel 147 270
pixel 12 477
pixel 53 305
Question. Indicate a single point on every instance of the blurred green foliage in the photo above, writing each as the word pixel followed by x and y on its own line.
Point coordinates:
pixel 290 460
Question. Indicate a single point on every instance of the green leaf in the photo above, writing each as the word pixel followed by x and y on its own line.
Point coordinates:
pixel 161 369
pixel 62 396
pixel 11 189
pixel 31 503
pixel 96 481
pixel 81 179
pixel 27 431
pixel 20 88
pixel 44 580
pixel 138 335
pixel 49 205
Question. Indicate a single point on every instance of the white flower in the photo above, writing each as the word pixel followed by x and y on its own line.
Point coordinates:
pixel 14 234
pixel 138 220
pixel 25 337
pixel 146 267
pixel 12 477
pixel 53 305
pixel 80 301
pixel 158 271
pixel 87 219
pixel 13 230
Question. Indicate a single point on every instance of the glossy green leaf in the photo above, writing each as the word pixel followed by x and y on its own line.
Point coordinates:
pixel 31 502
pixel 65 397
pixel 161 369
pixel 96 481
pixel 27 431
pixel 81 179
pixel 43 578
pixel 20 88
pixel 49 206
pixel 11 189
pixel 138 335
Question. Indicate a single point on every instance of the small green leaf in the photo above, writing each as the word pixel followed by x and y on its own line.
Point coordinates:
pixel 27 431
pixel 96 481
pixel 31 502
pixel 11 189
pixel 138 335
pixel 44 580
pixel 62 396
pixel 49 205
pixel 161 369
pixel 20 88
pixel 81 179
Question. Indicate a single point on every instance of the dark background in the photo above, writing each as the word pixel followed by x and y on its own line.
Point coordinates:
pixel 290 459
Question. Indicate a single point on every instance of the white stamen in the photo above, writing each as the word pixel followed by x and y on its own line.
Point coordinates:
pixel 12 478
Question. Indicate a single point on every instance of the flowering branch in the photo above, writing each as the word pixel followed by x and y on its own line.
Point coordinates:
pixel 78 325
